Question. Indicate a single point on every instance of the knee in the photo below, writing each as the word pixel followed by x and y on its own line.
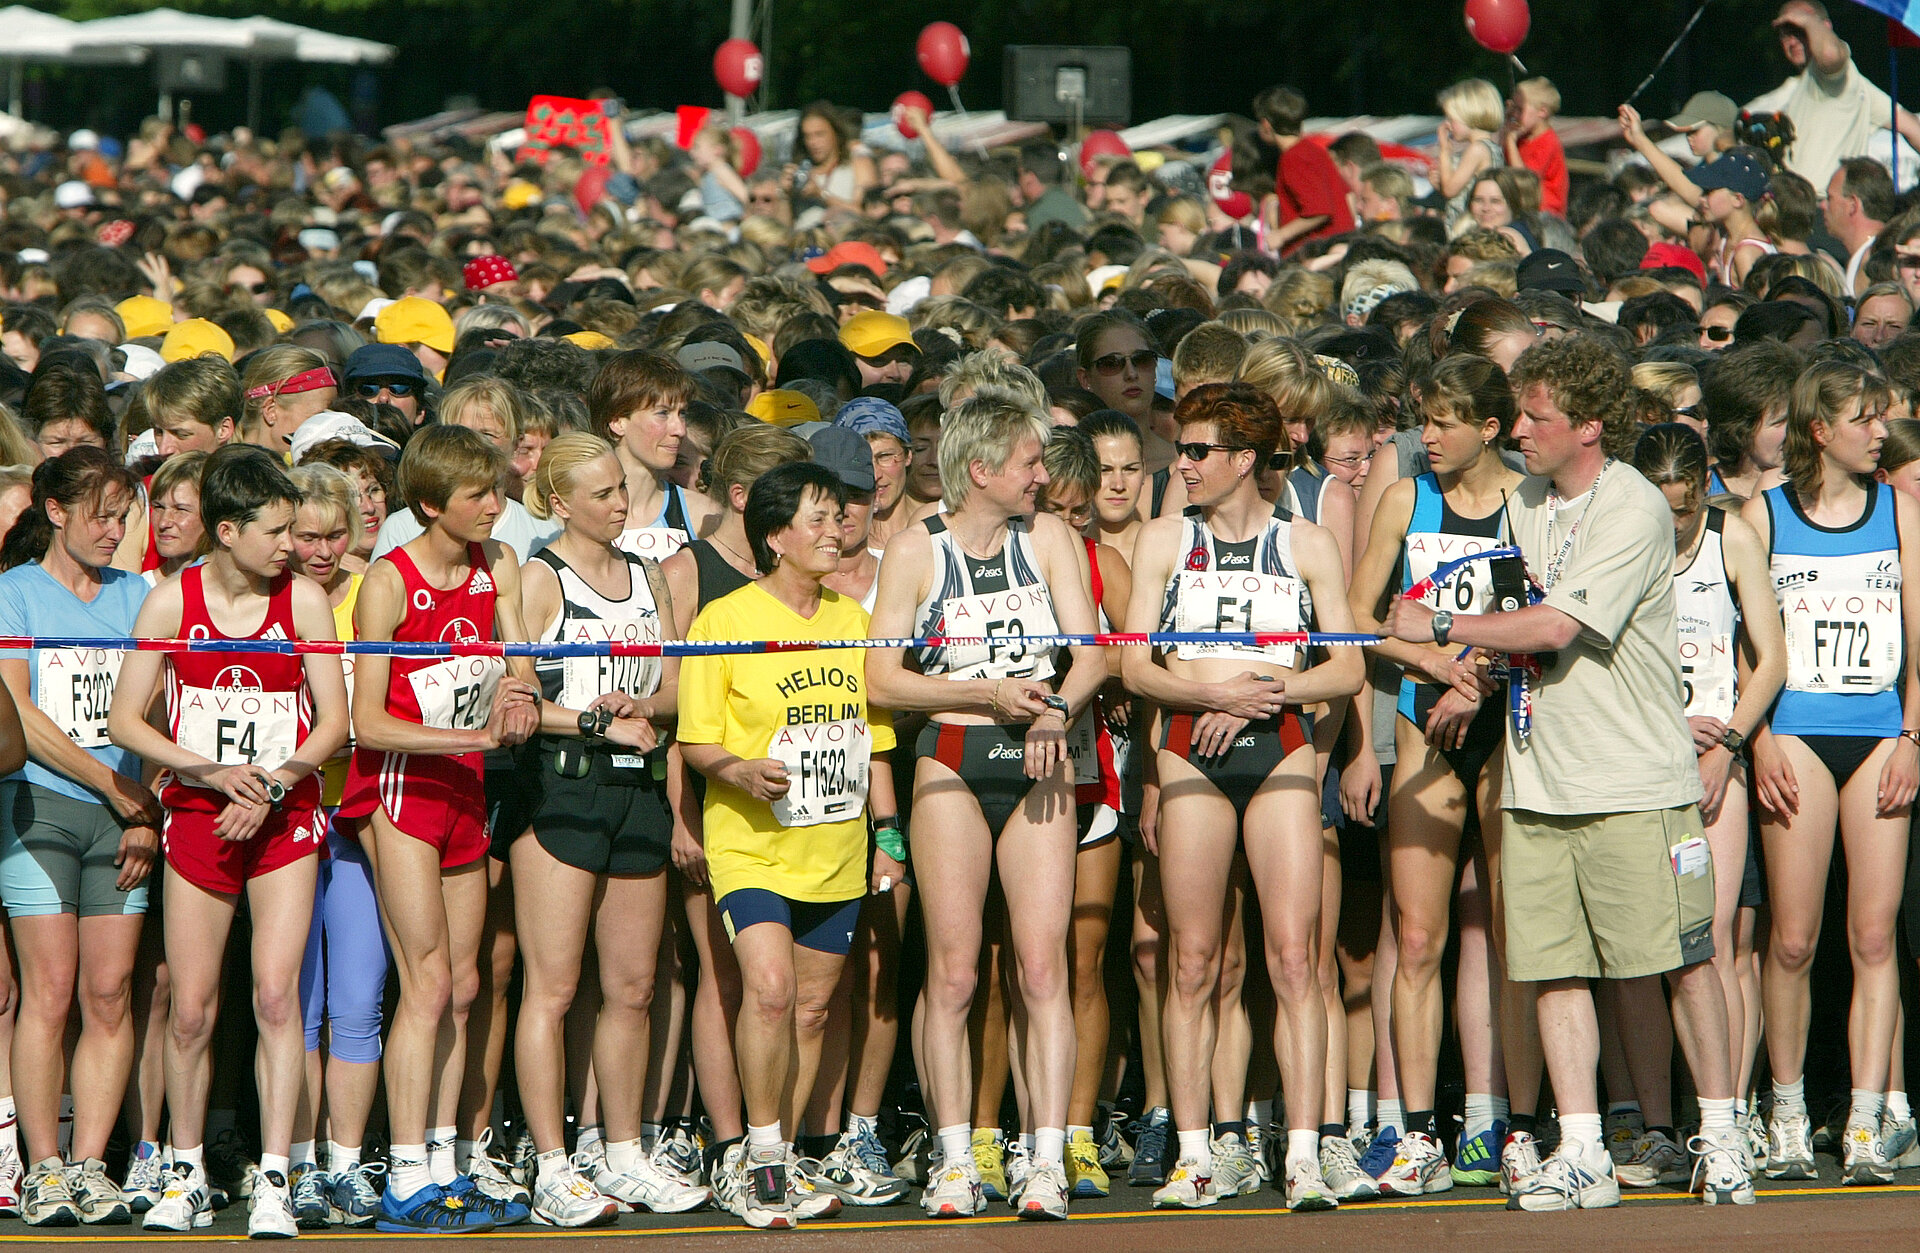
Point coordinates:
pixel 463 989
pixel 1146 959
pixel 275 1006
pixel 769 997
pixel 1197 970
pixel 1420 948
pixel 105 1001
pixel 191 1023
pixel 551 996
pixel 810 1015
pixel 1089 975
pixel 631 994
pixel 1792 951
pixel 1043 977
pixel 429 990
pixel 1292 970
pixel 1871 945
pixel 951 985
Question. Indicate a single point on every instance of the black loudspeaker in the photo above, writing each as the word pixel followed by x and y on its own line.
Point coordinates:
pixel 1068 85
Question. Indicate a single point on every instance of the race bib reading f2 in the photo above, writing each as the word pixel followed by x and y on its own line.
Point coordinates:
pixel 457 694
pixel 827 765
pixel 76 690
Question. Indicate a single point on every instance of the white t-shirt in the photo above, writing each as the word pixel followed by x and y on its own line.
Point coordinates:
pixel 1833 119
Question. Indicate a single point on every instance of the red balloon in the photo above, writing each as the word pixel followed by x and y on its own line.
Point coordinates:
pixel 1101 144
pixel 739 67
pixel 1498 25
pixel 909 100
pixel 749 145
pixel 944 53
pixel 1235 204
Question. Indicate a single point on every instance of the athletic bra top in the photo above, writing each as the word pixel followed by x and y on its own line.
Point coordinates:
pixel 666 534
pixel 1436 535
pixel 587 617
pixel 1002 595
pixel 1839 594
pixel 1709 619
pixel 1245 586
pixel 1306 482
pixel 718 577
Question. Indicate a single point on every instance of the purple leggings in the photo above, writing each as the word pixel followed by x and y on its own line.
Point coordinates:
pixel 344 976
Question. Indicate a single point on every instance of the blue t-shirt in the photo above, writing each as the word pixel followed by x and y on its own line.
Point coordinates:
pixel 72 687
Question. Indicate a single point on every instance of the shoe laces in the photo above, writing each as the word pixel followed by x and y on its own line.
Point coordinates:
pixel 1341 1150
pixel 865 1147
pixel 1150 1139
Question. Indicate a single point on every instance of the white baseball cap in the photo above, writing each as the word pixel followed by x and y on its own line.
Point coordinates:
pixel 82 140
pixel 73 194
pixel 142 361
pixel 333 424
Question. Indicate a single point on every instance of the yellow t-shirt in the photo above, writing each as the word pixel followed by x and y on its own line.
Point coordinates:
pixel 807 709
pixel 333 775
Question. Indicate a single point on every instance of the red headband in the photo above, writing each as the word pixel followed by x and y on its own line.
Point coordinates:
pixel 306 381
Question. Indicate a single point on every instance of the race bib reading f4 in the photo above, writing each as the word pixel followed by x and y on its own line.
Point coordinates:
pixel 235 723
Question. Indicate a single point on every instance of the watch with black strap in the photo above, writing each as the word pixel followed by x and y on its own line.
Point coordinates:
pixel 1442 626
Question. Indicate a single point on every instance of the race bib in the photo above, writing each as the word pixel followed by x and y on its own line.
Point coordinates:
pixel 1216 600
pixel 1004 619
pixel 75 687
pixel 582 679
pixel 1468 589
pixel 1707 671
pixel 827 766
pixel 1844 632
pixel 457 694
pixel 657 542
pixel 1083 748
pixel 235 723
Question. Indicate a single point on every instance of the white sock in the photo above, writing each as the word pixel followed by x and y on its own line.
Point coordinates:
pixel 1479 1115
pixel 1620 1109
pixel 342 1158
pixel 623 1155
pixel 1197 1146
pixel 956 1142
pixel 650 1135
pixel 1580 1136
pixel 1049 1145
pixel 1716 1117
pixel 407 1169
pixel 270 1162
pixel 195 1157
pixel 440 1155
pixel 1790 1098
pixel 860 1125
pixel 589 1136
pixel 762 1140
pixel 1866 1108
pixel 302 1155
pixel 462 1154
pixel 1360 1107
pixel 552 1165
pixel 1393 1116
pixel 1303 1145
pixel 1897 1107
pixel 1259 1113
pixel 1739 1107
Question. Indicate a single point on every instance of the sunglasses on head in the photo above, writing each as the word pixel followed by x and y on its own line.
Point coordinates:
pixel 1114 362
pixel 1200 452
pixel 369 391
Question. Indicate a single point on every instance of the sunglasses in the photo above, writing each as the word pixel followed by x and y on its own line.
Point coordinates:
pixel 1689 411
pixel 1200 452
pixel 1907 260
pixel 369 391
pixel 1114 362
pixel 1718 334
pixel 254 289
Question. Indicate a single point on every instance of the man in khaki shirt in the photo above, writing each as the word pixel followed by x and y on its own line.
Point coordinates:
pixel 1603 865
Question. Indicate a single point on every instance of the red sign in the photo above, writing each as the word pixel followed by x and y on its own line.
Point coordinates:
pixel 562 122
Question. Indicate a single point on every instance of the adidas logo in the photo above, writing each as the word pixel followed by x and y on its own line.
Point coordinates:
pixel 481 582
pixel 1579 594
pixel 273 632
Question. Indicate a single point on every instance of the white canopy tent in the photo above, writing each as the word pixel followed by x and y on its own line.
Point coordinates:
pixel 324 47
pixel 30 35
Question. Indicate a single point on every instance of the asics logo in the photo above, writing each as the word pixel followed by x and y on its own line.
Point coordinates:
pixel 1001 752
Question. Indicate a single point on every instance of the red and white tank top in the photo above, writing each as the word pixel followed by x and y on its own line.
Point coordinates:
pixel 446 693
pixel 237 708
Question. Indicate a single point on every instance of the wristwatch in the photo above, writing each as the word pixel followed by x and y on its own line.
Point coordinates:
pixel 1056 703
pixel 594 723
pixel 276 791
pixel 1442 626
pixel 1733 741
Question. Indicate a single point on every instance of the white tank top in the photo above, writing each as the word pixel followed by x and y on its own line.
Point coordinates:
pixel 587 617
pixel 1248 586
pixel 1003 596
pixel 1709 619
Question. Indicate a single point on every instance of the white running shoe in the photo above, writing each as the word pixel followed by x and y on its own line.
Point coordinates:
pixel 1720 1172
pixel 47 1198
pixel 1564 1183
pixel 1260 1147
pixel 730 1180
pixel 1419 1167
pixel 1755 1128
pixel 1900 1140
pixel 1341 1169
pixel 844 1173
pixel 650 1188
pixel 1623 1132
pixel 1236 1171
pixel 567 1200
pixel 1307 1192
pixel 764 1201
pixel 95 1196
pixel 270 1208
pixel 1519 1161
pixel 1044 1195
pixel 1655 1160
pixel 13 1174
pixel 1019 1168
pixel 1863 1160
pixel 809 1199
pixel 677 1154
pixel 955 1192
pixel 1790 1147
pixel 1187 1187
pixel 184 1204
pixel 494 1177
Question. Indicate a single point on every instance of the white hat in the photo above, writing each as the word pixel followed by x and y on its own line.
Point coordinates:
pixel 145 444
pixel 908 294
pixel 372 308
pixel 332 424
pixel 142 361
pixel 1100 276
pixel 82 140
pixel 187 181
pixel 33 256
pixel 73 194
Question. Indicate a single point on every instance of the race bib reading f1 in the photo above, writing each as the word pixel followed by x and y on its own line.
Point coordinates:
pixel 1227 601
pixel 457 694
pixel 76 689
pixel 1003 619
pixel 827 765
pixel 1843 633
pixel 235 723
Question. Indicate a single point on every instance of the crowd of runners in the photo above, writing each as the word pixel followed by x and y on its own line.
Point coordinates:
pixel 1612 484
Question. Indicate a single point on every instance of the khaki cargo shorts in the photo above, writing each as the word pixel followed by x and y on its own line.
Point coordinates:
pixel 1605 896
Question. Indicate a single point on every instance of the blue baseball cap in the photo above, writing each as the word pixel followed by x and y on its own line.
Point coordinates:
pixel 383 361
pixel 1739 171
pixel 870 415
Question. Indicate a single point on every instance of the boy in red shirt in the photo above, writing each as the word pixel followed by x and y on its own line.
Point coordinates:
pixel 1312 195
pixel 1530 140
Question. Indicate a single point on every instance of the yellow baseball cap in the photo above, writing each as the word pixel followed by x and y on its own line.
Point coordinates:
pixel 415 320
pixel 760 346
pixel 144 315
pixel 281 322
pixel 519 194
pixel 781 407
pixel 871 333
pixel 590 340
pixel 196 337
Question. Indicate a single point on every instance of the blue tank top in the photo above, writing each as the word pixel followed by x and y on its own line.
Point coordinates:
pixel 1839 594
pixel 1435 536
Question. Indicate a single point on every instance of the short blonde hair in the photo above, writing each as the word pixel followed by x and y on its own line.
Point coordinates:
pixel 441 460
pixel 1474 102
pixel 985 427
pixel 1542 92
pixel 559 462
pixel 978 371
pixel 496 395
pixel 1665 379
pixel 1286 371
pixel 322 485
